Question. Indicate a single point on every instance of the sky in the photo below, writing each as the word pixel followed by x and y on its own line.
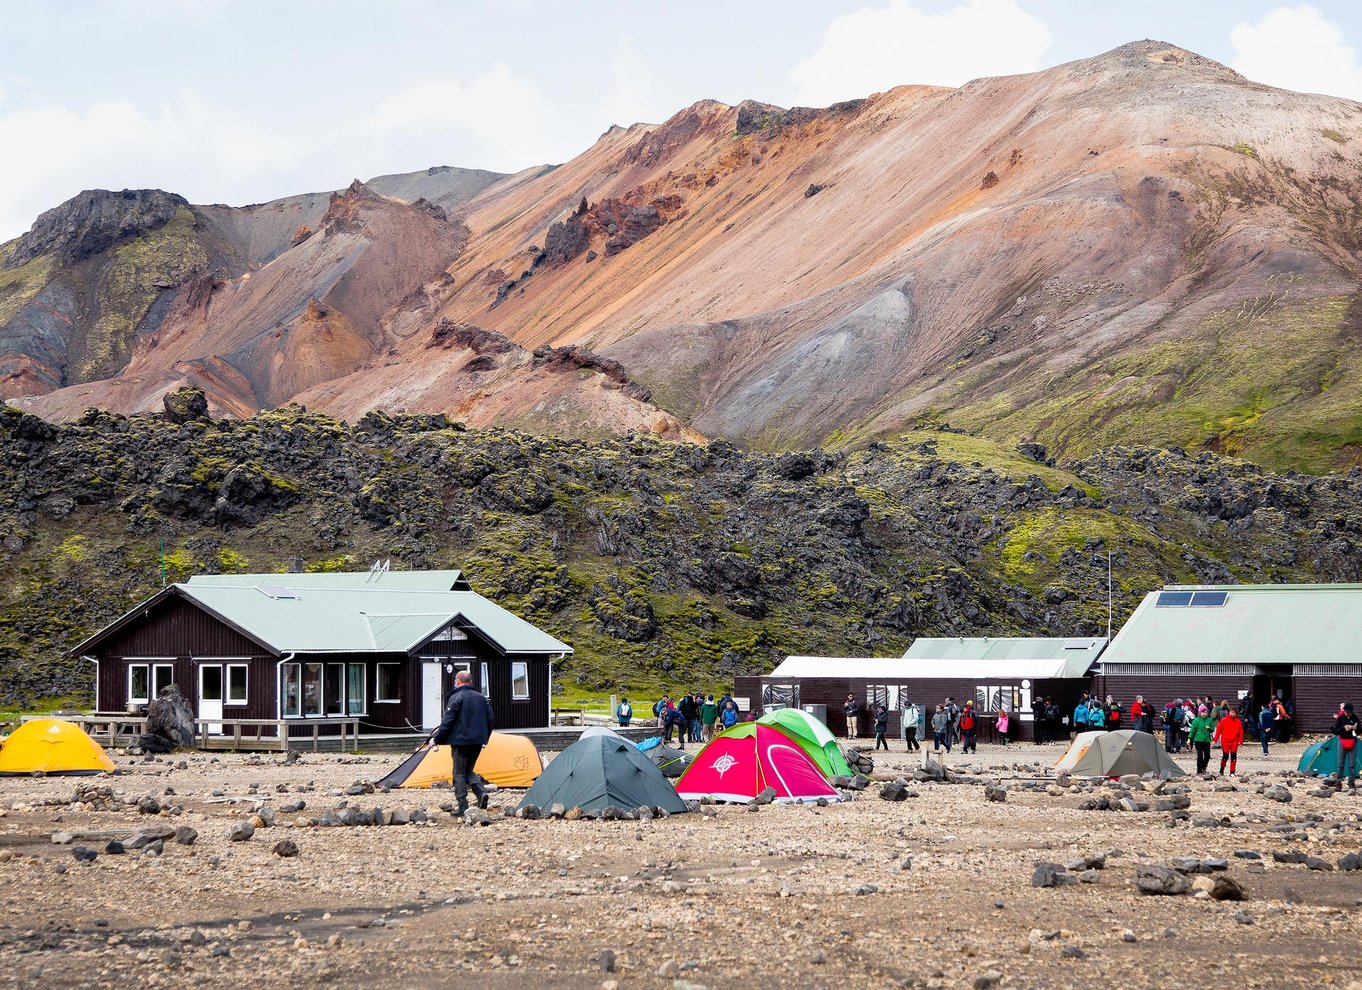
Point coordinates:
pixel 242 101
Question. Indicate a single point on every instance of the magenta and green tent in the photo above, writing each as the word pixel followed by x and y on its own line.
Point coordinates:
pixel 813 737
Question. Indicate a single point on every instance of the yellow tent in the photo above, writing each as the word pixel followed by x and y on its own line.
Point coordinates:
pixel 52 745
pixel 508 760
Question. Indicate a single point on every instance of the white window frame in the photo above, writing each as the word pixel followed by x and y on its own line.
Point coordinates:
pixel 283 690
pixel 378 684
pixel 525 669
pixel 153 665
pixel 339 700
pixel 363 699
pixel 486 682
pixel 321 689
pixel 227 697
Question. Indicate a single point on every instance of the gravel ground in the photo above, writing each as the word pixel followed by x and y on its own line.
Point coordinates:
pixel 769 897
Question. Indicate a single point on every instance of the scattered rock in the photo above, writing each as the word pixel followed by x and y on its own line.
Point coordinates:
pixel 1153 878
pixel 286 848
pixel 241 832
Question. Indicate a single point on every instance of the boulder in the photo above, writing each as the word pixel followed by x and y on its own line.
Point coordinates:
pixel 170 716
pixel 1153 878
pixel 241 832
pixel 286 848
pixel 1276 792
pixel 994 792
pixel 896 790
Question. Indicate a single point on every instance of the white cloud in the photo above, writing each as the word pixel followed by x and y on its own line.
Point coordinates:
pixel 214 152
pixel 876 49
pixel 1298 48
pixel 497 109
pixel 631 97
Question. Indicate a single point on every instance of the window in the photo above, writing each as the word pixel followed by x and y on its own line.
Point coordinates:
pixel 355 685
pixel 883 694
pixel 520 680
pixel 145 681
pixel 312 689
pixel 997 698
pixel 293 690
pixel 387 688
pixel 486 683
pixel 449 633
pixel 779 696
pixel 236 684
pixel 335 689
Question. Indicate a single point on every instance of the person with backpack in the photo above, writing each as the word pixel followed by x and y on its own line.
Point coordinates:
pixel 1229 732
pixel 881 727
pixel 1054 718
pixel 1169 720
pixel 941 730
pixel 1080 716
pixel 1265 720
pixel 953 716
pixel 912 726
pixel 660 710
pixel 852 711
pixel 690 714
pixel 1113 716
pixel 728 715
pixel 677 721
pixel 709 714
pixel 1185 719
pixel 624 712
pixel 1200 732
pixel 1346 728
pixel 968 729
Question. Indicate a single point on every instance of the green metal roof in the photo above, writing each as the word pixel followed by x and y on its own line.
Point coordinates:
pixel 1258 624
pixel 342 613
pixel 383 581
pixel 1003 648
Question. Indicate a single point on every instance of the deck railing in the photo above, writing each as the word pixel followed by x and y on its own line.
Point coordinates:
pixel 225 733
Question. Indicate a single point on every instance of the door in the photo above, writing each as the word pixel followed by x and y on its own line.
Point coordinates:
pixel 432 695
pixel 211 695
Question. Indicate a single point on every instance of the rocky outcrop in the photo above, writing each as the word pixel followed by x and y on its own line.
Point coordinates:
pixel 93 221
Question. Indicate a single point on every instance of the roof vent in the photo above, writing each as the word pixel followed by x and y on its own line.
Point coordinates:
pixel 277 592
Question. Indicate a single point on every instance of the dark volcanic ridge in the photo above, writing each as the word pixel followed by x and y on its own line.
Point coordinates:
pixel 659 562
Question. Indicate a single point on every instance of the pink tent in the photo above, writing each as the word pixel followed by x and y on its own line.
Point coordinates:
pixel 740 763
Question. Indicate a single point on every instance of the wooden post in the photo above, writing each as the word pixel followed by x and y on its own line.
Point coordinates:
pixel 283 736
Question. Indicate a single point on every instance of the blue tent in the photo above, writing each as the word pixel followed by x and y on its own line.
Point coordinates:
pixel 1320 759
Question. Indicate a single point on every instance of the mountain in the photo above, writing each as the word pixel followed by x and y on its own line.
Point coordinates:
pixel 660 562
pixel 1141 247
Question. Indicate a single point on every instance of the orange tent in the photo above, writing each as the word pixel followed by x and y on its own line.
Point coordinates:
pixel 508 760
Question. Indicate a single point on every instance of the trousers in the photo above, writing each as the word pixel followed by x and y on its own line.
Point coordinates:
pixel 465 758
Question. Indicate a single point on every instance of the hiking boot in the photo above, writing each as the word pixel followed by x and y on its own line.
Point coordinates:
pixel 482 800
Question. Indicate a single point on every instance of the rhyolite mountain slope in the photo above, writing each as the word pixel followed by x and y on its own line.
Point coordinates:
pixel 1139 247
pixel 661 563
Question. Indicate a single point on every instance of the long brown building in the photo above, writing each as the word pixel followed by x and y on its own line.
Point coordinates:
pixel 381 647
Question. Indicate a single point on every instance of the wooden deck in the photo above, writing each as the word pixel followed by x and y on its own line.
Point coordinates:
pixel 269 735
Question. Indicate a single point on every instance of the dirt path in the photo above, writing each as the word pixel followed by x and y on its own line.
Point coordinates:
pixel 765 897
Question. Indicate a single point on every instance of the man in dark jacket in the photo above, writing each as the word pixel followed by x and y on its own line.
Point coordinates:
pixel 1346 728
pixel 466 727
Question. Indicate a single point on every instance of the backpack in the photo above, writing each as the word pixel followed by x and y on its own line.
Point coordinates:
pixel 625 711
pixel 1166 716
pixel 967 722
pixel 657 707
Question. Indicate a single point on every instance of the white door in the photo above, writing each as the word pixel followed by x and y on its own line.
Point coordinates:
pixel 211 695
pixel 432 697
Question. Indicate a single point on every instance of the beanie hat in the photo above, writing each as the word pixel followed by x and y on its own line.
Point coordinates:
pixel 1202 710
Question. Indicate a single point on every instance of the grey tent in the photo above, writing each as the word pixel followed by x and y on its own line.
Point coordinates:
pixel 600 772
pixel 600 730
pixel 1111 754
pixel 672 762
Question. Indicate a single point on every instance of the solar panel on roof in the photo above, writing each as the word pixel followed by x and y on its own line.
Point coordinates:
pixel 1174 599
pixel 278 592
pixel 1209 599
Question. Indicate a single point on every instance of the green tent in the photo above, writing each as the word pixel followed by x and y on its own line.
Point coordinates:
pixel 1320 758
pixel 813 737
pixel 600 772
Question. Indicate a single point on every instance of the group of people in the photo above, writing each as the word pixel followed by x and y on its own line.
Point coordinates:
pixel 951 725
pixel 1271 723
pixel 692 717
